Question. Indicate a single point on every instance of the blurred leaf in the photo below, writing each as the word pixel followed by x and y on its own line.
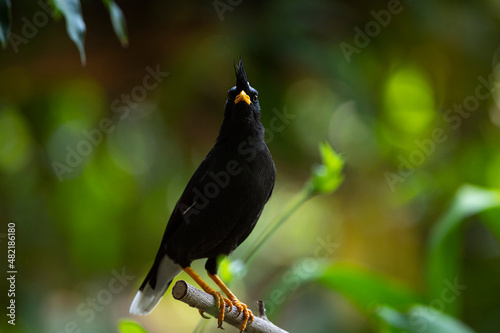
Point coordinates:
pixel 408 106
pixel 56 13
pixel 15 141
pixel 421 319
pixel 105 188
pixel 327 176
pixel 224 270
pixel 129 326
pixel 394 319
pixel 367 289
pixel 5 21
pixel 306 97
pixel 118 21
pixel 72 12
pixel 230 270
pixel 444 252
pixel 492 221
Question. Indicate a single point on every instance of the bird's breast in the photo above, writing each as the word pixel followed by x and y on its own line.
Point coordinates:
pixel 249 165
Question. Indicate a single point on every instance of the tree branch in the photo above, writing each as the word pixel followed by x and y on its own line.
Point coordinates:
pixel 194 297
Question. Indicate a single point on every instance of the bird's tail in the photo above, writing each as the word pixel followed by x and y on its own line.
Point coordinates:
pixel 154 286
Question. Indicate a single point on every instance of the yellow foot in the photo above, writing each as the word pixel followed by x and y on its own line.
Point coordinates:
pixel 202 313
pixel 221 304
pixel 248 316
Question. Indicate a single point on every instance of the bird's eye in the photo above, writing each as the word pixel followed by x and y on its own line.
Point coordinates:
pixel 255 98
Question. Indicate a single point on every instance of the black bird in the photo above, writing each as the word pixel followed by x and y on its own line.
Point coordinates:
pixel 219 206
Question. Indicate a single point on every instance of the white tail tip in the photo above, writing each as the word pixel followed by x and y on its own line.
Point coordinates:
pixel 144 301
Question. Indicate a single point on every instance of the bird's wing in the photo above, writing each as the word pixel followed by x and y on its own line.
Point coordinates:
pixel 270 192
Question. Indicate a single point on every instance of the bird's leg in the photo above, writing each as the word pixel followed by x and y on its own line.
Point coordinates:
pixel 248 316
pixel 220 301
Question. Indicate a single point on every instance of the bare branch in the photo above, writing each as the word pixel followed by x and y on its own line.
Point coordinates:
pixel 194 297
pixel 262 310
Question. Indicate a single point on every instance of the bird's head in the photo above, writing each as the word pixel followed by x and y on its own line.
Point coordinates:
pixel 242 100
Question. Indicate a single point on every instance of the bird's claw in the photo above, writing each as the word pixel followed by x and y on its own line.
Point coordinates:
pixel 248 316
pixel 221 303
pixel 224 304
pixel 202 313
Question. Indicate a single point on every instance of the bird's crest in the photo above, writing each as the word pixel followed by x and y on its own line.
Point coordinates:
pixel 241 76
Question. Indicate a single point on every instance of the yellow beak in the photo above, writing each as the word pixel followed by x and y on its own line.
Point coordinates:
pixel 242 97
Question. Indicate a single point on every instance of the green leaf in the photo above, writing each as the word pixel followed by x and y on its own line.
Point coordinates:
pixel 367 289
pixel 393 319
pixel 5 21
pixel 118 21
pixel 327 176
pixel 129 326
pixel 56 13
pixel 444 250
pixel 421 319
pixel 75 26
pixel 491 220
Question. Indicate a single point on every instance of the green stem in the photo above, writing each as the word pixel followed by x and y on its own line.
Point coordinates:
pixel 294 204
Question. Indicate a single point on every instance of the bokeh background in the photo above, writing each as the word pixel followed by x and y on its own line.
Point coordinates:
pixel 409 101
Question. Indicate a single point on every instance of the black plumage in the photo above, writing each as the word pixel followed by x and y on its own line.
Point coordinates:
pixel 221 203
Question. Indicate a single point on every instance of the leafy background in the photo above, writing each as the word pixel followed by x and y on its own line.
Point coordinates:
pixel 393 248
